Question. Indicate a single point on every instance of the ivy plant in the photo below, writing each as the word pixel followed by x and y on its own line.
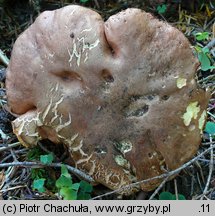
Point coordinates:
pixel 64 185
pixel 169 196
pixel 203 56
pixel 84 1
pixel 210 128
pixel 201 36
pixel 72 191
pixel 161 8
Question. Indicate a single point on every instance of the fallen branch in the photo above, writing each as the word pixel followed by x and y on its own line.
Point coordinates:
pixel 210 44
pixel 211 166
pixel 4 58
pixel 3 135
pixel 159 188
pixel 41 165
pixel 9 146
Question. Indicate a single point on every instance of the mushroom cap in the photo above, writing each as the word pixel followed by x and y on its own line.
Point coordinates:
pixel 120 94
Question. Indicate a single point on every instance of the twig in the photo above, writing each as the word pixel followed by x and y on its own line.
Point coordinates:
pixel 176 189
pixel 200 171
pixel 12 188
pixel 13 154
pixel 211 114
pixel 207 78
pixel 199 181
pixel 9 146
pixel 39 165
pixel 97 4
pixel 159 188
pixel 208 143
pixel 23 150
pixel 171 173
pixel 210 23
pixel 211 165
pixel 192 185
pixel 210 44
pixel 4 58
pixel 3 135
pixel 199 196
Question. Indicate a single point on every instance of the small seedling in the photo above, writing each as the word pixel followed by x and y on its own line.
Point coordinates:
pixel 38 184
pixel 161 9
pixel 169 196
pixel 46 159
pixel 210 128
pixel 201 36
pixel 64 184
pixel 34 153
pixel 72 191
pixel 203 58
pixel 84 1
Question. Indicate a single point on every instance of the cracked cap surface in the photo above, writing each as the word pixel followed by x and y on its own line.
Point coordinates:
pixel 120 94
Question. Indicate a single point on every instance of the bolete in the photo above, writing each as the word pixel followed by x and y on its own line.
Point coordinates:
pixel 120 94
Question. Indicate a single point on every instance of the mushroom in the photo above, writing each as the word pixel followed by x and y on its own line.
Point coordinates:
pixel 120 94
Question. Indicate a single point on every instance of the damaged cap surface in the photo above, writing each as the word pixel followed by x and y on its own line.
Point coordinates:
pixel 120 94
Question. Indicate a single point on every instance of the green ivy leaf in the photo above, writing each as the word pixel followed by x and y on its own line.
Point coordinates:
pixel 38 184
pixel 161 9
pixel 180 197
pixel 84 1
pixel 63 181
pixel 200 36
pixel 46 159
pixel 205 50
pixel 68 193
pixel 65 172
pixel 86 187
pixel 37 173
pixel 210 128
pixel 83 196
pixel 76 186
pixel 165 196
pixel 169 196
pixel 34 153
pixel 205 61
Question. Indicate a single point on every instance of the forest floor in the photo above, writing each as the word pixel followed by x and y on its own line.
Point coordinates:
pixel 196 180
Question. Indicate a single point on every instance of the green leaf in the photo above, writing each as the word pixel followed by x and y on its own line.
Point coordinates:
pixel 83 196
pixel 210 128
pixel 76 186
pixel 65 172
pixel 202 36
pixel 68 193
pixel 63 181
pixel 205 50
pixel 198 48
pixel 161 9
pixel 180 197
pixel 37 173
pixel 46 159
pixel 38 184
pixel 34 153
pixel 165 196
pixel 205 61
pixel 84 1
pixel 86 187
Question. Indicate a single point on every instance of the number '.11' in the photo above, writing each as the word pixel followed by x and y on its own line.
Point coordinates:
pixel 205 208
